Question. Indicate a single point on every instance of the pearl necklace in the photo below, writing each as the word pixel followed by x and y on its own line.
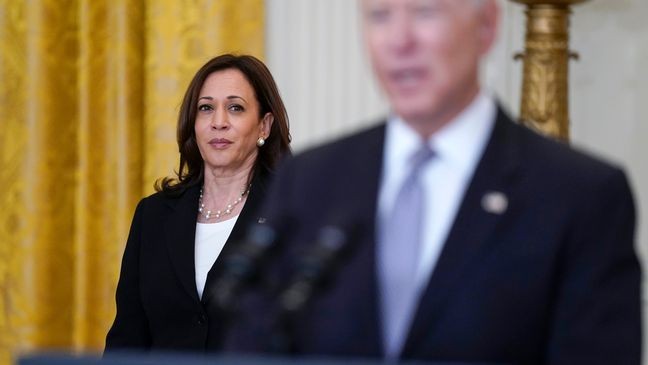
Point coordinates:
pixel 219 213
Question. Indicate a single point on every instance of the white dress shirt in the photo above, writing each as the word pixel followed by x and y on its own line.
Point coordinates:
pixel 210 240
pixel 458 147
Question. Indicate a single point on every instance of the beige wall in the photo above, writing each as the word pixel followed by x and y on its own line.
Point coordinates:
pixel 314 52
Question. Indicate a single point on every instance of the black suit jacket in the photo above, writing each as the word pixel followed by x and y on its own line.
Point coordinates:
pixel 158 307
pixel 554 279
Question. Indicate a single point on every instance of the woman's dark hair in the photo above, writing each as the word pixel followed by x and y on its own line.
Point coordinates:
pixel 191 168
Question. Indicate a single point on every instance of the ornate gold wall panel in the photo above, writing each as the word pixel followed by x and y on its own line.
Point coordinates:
pixel 545 104
pixel 13 137
pixel 89 91
pixel 111 110
pixel 38 115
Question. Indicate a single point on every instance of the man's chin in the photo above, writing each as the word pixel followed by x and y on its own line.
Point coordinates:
pixel 413 115
pixel 413 107
pixel 424 121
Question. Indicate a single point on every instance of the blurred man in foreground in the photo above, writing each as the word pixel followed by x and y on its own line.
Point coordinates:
pixel 474 239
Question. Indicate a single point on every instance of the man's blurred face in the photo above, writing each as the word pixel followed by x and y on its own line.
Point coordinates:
pixel 426 54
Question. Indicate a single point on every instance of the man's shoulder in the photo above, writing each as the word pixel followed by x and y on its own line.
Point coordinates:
pixel 353 147
pixel 559 160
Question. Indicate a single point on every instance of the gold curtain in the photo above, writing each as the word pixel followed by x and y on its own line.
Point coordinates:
pixel 89 95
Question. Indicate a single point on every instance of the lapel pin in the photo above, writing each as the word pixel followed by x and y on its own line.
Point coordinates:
pixel 261 220
pixel 494 202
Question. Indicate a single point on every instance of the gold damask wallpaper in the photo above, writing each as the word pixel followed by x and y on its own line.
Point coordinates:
pixel 89 94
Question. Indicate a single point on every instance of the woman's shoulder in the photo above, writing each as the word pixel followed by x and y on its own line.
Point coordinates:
pixel 168 198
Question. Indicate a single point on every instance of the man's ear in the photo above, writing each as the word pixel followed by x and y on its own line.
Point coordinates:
pixel 489 19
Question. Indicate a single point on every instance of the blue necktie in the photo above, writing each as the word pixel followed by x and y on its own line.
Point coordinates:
pixel 398 256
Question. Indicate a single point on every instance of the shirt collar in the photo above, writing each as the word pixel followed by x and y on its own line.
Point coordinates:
pixel 459 143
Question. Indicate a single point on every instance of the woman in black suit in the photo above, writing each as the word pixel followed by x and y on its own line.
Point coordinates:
pixel 232 130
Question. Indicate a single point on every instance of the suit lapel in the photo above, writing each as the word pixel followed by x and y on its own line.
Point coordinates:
pixel 247 217
pixel 180 228
pixel 472 228
pixel 367 170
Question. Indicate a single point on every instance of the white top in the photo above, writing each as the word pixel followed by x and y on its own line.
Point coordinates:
pixel 210 240
pixel 458 147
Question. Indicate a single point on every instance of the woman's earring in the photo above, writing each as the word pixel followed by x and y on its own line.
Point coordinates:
pixel 260 142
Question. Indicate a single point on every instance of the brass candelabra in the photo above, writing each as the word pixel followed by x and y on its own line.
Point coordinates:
pixel 545 84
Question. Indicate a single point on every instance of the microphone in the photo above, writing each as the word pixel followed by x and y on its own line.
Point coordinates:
pixel 313 269
pixel 241 266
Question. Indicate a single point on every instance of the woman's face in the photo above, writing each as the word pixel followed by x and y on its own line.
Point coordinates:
pixel 227 122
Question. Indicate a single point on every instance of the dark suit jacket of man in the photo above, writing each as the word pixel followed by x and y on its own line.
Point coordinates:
pixel 158 307
pixel 553 279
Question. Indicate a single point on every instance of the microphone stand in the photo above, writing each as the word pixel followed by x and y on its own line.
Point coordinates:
pixel 313 270
pixel 241 266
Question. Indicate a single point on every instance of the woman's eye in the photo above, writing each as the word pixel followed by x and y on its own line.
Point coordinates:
pixel 236 108
pixel 205 107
